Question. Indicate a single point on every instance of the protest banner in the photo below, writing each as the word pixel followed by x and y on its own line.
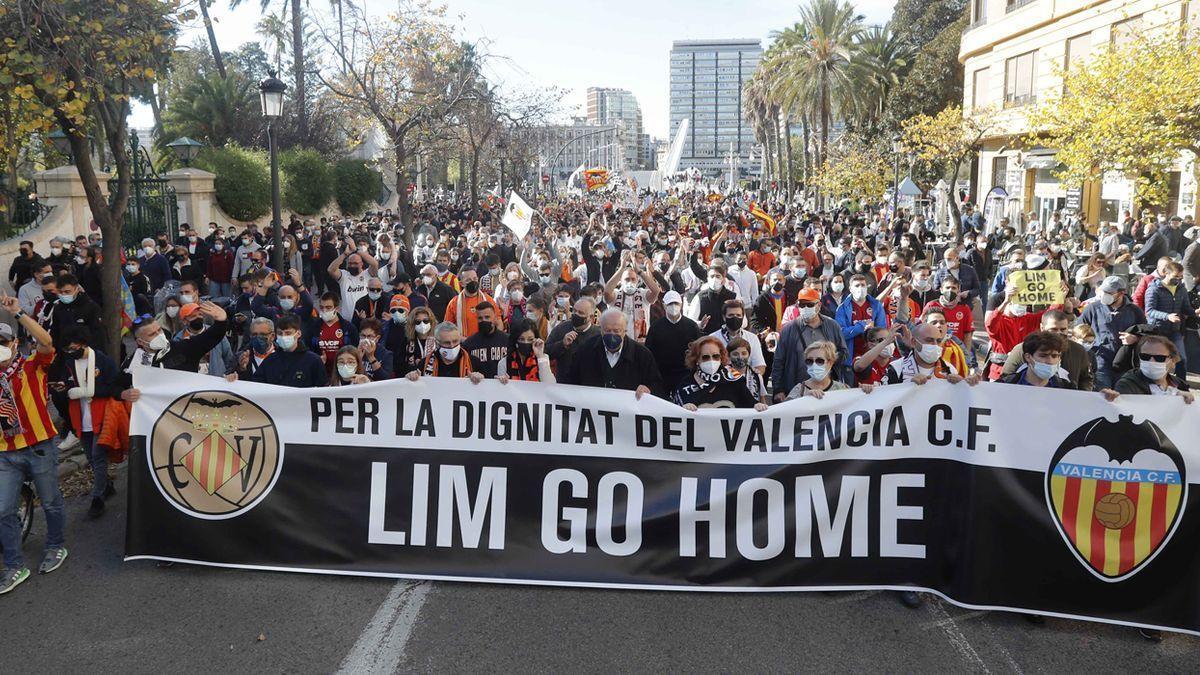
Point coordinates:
pixel 1037 287
pixel 994 497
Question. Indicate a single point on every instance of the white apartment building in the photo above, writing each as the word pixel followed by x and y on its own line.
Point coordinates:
pixel 707 77
pixel 610 106
pixel 1012 54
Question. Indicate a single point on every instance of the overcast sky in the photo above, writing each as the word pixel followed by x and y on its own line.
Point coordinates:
pixel 572 44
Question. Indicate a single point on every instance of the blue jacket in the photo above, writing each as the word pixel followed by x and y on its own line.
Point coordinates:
pixel 299 368
pixel 851 330
pixel 1108 326
pixel 968 279
pixel 1160 303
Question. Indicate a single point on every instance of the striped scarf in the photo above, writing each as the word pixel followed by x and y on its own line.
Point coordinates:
pixel 525 369
pixel 10 419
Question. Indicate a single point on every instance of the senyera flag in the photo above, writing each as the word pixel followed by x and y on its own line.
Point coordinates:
pixel 763 217
pixel 595 178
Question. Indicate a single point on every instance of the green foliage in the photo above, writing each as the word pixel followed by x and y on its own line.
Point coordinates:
pixel 307 181
pixel 935 79
pixel 243 181
pixel 214 110
pixel 920 22
pixel 355 185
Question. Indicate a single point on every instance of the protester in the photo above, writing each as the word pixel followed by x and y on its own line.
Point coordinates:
pixel 526 359
pixel 613 360
pixel 713 383
pixel 290 364
pixel 820 362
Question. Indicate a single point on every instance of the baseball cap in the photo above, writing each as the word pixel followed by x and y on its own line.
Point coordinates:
pixel 6 332
pixel 1113 284
pixel 186 311
pixel 399 300
pixel 401 278
pixel 1035 262
pixel 809 294
pixel 672 296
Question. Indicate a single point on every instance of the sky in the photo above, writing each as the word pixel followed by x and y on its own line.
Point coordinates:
pixel 572 44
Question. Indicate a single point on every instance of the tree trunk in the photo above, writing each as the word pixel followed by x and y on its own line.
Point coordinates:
pixel 156 109
pixel 778 146
pixel 341 34
pixel 823 155
pixel 805 136
pixel 474 181
pixel 404 206
pixel 787 138
pixel 298 69
pixel 212 41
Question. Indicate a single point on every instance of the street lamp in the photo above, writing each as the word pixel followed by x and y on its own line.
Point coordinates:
pixel 271 92
pixel 61 143
pixel 897 147
pixel 185 149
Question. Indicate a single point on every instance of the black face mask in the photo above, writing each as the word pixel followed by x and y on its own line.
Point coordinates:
pixel 777 287
pixel 353 270
pixel 50 297
pixel 577 321
pixel 74 354
pixel 524 348
pixel 733 323
pixel 196 325
pixel 471 286
pixel 486 327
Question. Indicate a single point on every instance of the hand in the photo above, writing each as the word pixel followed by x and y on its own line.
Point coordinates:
pixel 1110 395
pixel 1128 338
pixel 973 379
pixel 920 379
pixel 1174 318
pixel 867 388
pixel 212 311
pixel 502 379
pixel 704 322
pixel 569 338
pixel 131 395
pixel 539 348
pixel 75 393
pixel 1187 396
pixel 1009 291
pixel 360 314
pixel 690 407
pixel 244 360
pixel 10 303
pixel 816 393
pixel 232 377
pixel 867 324
pixel 760 407
pixel 475 378
pixel 58 386
pixel 294 275
pixel 962 296
pixel 779 398
pixel 641 391
pixel 367 347
pixel 359 378
pixel 414 376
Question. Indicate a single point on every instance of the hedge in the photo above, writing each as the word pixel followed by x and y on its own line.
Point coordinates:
pixel 355 185
pixel 243 181
pixel 307 183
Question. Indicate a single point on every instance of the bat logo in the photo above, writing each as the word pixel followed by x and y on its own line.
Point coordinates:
pixel 210 403
pixel 1116 491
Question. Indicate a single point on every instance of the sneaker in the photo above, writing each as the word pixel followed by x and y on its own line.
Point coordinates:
pixel 96 509
pixel 69 442
pixel 53 560
pixel 109 490
pixel 910 599
pixel 10 579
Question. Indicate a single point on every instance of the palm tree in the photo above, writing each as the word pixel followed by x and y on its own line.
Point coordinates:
pixel 275 29
pixel 298 64
pixel 879 61
pixel 754 103
pixel 212 38
pixel 814 62
pixel 215 110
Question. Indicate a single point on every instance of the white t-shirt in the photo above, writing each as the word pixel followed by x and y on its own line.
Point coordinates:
pixel 353 287
pixel 756 354
pixel 636 310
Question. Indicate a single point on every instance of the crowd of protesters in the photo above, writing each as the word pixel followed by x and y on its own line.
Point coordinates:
pixel 689 298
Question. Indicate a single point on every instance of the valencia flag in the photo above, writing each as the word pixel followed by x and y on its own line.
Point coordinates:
pixel 763 217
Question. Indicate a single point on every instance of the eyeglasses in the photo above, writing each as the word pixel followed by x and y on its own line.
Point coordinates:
pixel 806 304
pixel 710 357
pixel 819 361
pixel 1157 358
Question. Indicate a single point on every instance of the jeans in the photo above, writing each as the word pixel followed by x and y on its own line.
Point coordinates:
pixel 1181 367
pixel 98 458
pixel 38 463
pixel 217 289
pixel 1104 377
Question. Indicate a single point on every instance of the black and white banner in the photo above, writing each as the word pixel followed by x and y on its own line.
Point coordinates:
pixel 995 497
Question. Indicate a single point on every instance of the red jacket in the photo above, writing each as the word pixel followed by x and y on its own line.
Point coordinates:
pixel 1139 293
pixel 1006 332
pixel 220 266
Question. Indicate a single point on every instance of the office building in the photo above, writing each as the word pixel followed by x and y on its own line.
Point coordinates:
pixel 707 77
pixel 564 147
pixel 619 106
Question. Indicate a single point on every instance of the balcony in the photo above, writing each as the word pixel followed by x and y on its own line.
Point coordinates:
pixel 1019 100
pixel 1014 5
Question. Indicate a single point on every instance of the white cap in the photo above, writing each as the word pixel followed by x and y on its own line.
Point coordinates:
pixel 672 297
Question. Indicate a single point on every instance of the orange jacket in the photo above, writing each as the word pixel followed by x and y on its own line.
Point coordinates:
pixel 468 324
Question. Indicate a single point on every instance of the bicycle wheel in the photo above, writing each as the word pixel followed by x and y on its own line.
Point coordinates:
pixel 25 510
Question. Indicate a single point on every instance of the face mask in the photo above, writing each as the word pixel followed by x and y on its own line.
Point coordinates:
pixel 949 296
pixel 1107 298
pixel 328 315
pixel 196 325
pixel 578 321
pixel 807 313
pixel 889 351
pixel 421 327
pixel 837 286
pixel 931 353
pixel 148 250
pixel 517 295
pixel 612 342
pixel 710 367
pixel 5 353
pixel 362 249
pixel 159 343
pixel 1087 344
pixel 800 272
pixel 525 348
pixel 738 362
pixel 733 323
pixel 449 354
pixel 427 279
pixel 629 286
pixel 1017 310
pixel 374 295
pixel 218 246
pixel 1044 370
pixel 347 370
pixel 817 372
pixel 187 298
pixel 286 304
pixel 132 269
pixel 513 276
pixel 246 242
pixel 486 327
pixel 56 251
pixel 80 260
pixel 471 286
pixel 858 293
pixel 259 344
pixel 715 284
pixel 173 311
pixel 544 278
pixel 922 284
pixel 674 312
pixel 1151 369
pixel 353 269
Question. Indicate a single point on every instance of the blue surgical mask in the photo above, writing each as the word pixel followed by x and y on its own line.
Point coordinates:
pixel 66 299
pixel 286 304
pixel 612 342
pixel 1044 370
pixel 285 342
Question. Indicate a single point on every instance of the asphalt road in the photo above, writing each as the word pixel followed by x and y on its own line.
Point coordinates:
pixel 101 614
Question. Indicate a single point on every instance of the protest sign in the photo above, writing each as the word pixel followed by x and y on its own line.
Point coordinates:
pixel 1037 287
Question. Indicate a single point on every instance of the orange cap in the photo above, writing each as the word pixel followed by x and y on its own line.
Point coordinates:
pixel 399 300
pixel 809 294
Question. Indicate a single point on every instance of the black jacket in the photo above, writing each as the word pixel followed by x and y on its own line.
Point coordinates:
pixel 1134 382
pixel 1156 246
pixel 668 343
pixel 185 352
pixel 83 312
pixel 298 368
pixel 635 367
pixel 438 298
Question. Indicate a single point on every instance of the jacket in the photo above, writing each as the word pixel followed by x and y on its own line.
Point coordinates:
pixel 968 280
pixel 851 330
pixel 635 367
pixel 1075 360
pixel 1134 382
pixel 1161 303
pixel 788 369
pixel 438 298
pixel 297 368
pixel 83 312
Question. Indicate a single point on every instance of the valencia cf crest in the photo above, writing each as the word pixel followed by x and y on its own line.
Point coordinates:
pixel 1117 492
pixel 214 454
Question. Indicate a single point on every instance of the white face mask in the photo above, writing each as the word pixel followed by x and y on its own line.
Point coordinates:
pixel 422 327
pixel 674 312
pixel 630 286
pixel 837 286
pixel 5 353
pixel 328 315
pixel 427 279
pixel 187 298
pixel 347 370
pixel 1153 370
pixel 889 351
pixel 1107 298
pixel 1017 310
pixel 173 311
pixel 159 343
pixel 285 342
pixel 715 284
pixel 710 367
pixel 858 293
pixel 931 353
pixel 449 353
pixel 807 313
pixel 148 250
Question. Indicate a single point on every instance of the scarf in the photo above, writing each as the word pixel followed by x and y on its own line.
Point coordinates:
pixel 10 419
pixel 86 377
pixel 434 364
pixel 525 369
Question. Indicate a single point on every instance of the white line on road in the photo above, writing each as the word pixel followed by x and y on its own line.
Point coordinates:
pixel 955 635
pixel 380 648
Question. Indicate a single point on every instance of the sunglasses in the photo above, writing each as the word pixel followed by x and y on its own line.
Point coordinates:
pixel 817 361
pixel 710 357
pixel 1157 358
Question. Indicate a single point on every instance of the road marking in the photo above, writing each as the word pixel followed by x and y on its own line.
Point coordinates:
pixel 940 623
pixel 955 635
pixel 380 648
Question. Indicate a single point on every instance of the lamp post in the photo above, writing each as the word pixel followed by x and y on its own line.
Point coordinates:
pixel 185 149
pixel 896 148
pixel 271 92
pixel 61 143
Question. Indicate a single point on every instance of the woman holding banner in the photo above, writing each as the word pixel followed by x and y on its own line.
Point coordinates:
pixel 713 384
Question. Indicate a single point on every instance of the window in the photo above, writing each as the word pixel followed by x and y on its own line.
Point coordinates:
pixel 978 12
pixel 1000 171
pixel 1125 31
pixel 1077 50
pixel 1010 5
pixel 1018 80
pixel 979 88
